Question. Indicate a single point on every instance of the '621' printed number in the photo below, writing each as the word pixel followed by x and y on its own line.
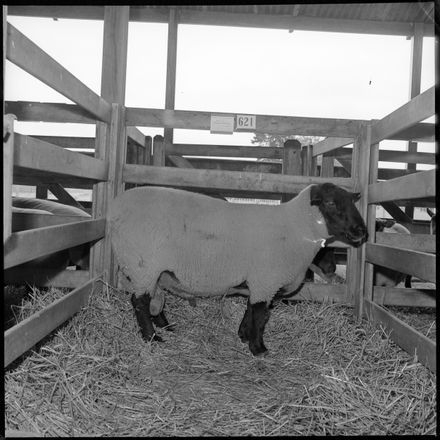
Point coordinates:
pixel 246 121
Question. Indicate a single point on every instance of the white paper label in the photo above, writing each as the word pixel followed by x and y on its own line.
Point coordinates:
pixel 248 122
pixel 222 124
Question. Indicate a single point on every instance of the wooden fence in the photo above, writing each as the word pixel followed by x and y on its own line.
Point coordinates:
pixel 124 157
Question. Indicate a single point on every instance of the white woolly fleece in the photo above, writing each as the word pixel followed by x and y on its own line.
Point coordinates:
pixel 212 245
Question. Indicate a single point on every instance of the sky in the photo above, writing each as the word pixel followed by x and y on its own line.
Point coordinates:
pixel 231 69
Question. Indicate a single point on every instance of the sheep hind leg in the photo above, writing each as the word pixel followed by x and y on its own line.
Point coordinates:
pixel 141 305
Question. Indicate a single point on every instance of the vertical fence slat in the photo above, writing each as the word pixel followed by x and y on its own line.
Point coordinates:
pixel 8 168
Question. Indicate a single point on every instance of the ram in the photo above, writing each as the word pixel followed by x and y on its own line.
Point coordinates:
pixel 188 244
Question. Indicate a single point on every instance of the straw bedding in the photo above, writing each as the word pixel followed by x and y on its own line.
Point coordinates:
pixel 325 374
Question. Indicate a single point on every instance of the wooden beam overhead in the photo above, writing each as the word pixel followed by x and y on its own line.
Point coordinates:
pixel 206 17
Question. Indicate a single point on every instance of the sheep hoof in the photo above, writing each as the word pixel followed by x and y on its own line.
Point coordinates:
pixel 155 338
pixel 262 354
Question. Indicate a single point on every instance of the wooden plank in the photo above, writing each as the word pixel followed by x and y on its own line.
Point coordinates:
pixel 418 109
pixel 27 55
pixel 321 292
pixel 48 112
pixel 415 242
pixel 421 132
pixel 412 186
pixel 392 156
pixel 223 180
pixel 328 167
pixel 27 245
pixel 62 195
pixel 43 277
pixel 158 151
pixel 396 212
pixel 8 165
pixel 31 153
pixel 232 165
pixel 419 264
pixel 180 161
pixel 189 16
pixel 23 221
pixel 403 297
pixel 136 136
pixel 330 144
pixel 281 125
pixel 69 141
pixel 28 332
pixel 54 112
pixel 225 151
pixel 403 335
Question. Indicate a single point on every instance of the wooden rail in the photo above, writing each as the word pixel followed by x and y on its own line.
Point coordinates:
pixel 28 332
pixel 222 180
pixel 27 55
pixel 282 125
pixel 31 153
pixel 418 109
pixel 411 186
pixel 411 340
pixel 419 264
pixel 27 245
pixel 44 277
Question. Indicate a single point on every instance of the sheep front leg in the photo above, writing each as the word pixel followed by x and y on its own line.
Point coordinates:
pixel 141 305
pixel 252 327
pixel 246 324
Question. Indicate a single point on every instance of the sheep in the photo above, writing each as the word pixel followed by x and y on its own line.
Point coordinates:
pixel 60 260
pixel 433 223
pixel 383 276
pixel 189 244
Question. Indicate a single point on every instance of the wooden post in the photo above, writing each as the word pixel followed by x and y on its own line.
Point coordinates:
pixel 291 162
pixel 8 169
pixel 158 151
pixel 115 185
pixel 414 89
pixel 170 91
pixel 148 147
pixel 371 222
pixel 356 256
pixel 41 191
pixel 114 64
pixel 327 165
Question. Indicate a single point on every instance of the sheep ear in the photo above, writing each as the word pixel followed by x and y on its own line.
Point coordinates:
pixel 315 196
pixel 356 196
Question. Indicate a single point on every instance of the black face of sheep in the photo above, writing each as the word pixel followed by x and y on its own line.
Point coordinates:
pixel 341 215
